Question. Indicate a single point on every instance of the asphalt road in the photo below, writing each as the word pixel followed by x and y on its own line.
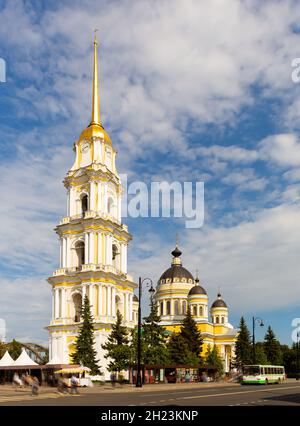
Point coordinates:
pixel 235 395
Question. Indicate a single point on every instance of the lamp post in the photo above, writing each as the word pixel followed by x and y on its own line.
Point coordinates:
pixel 297 356
pixel 261 323
pixel 139 348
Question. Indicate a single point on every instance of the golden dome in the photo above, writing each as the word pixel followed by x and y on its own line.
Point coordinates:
pixel 95 130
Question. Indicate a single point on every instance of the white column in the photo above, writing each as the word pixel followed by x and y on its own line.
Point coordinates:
pixel 127 306
pixel 56 302
pixel 92 245
pixel 86 247
pixel 113 301
pixel 109 300
pixel 92 196
pixel 53 304
pixel 130 306
pixel 124 255
pixel 100 299
pixel 92 299
pixel 108 259
pixel 99 205
pixel 63 302
pixel 105 198
pixel 60 253
pixel 68 252
pixel 68 202
pixel 83 292
pixel 100 248
pixel 63 252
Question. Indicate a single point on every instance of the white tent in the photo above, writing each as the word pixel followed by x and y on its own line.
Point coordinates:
pixel 6 360
pixel 24 359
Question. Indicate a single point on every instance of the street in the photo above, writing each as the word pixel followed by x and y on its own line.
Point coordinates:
pixel 287 393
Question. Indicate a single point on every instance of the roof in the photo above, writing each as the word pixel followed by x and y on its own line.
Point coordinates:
pixel 219 303
pixel 176 271
pixel 197 289
pixel 24 359
pixel 6 360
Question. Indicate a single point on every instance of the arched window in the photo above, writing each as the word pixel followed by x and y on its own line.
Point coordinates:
pixel 195 310
pixel 184 307
pixel 168 307
pixel 161 308
pixel 223 320
pixel 77 303
pixel 217 320
pixel 176 307
pixel 79 248
pixel 84 203
pixel 119 305
pixel 116 256
pixel 201 311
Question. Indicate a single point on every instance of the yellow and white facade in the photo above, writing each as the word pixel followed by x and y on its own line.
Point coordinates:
pixel 176 291
pixel 93 244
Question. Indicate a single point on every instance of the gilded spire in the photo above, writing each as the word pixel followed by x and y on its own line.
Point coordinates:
pixel 96 98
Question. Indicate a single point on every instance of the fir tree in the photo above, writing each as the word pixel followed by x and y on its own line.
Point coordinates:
pixel 179 351
pixel 117 346
pixel 272 348
pixel 14 348
pixel 154 339
pixel 190 333
pixel 260 355
pixel 243 349
pixel 212 358
pixel 85 353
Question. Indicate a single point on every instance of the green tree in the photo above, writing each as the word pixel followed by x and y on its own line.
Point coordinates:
pixel 117 346
pixel 85 353
pixel 179 351
pixel 154 339
pixel 243 348
pixel 212 358
pixel 260 355
pixel 14 348
pixel 190 333
pixel 272 348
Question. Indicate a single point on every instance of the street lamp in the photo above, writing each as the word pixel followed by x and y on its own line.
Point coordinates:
pixel 261 323
pixel 297 356
pixel 139 351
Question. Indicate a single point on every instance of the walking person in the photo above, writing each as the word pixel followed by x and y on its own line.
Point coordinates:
pixel 74 385
pixel 35 384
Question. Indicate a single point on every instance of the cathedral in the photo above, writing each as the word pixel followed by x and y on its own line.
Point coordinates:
pixel 177 291
pixel 93 259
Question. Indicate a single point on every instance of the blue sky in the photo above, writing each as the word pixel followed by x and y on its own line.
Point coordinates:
pixel 200 94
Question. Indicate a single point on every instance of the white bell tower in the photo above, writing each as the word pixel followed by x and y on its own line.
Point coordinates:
pixel 93 244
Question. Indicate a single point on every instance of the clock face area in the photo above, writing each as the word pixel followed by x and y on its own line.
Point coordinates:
pixel 85 154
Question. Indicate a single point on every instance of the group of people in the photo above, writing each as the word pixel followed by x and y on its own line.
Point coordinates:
pixel 64 385
pixel 26 380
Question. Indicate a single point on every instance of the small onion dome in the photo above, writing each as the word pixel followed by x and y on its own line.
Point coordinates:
pixel 219 303
pixel 176 273
pixel 135 298
pixel 197 289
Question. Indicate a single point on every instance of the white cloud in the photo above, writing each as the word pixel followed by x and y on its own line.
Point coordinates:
pixel 282 149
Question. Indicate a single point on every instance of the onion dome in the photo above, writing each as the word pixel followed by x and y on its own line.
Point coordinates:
pixel 176 273
pixel 197 289
pixel 219 303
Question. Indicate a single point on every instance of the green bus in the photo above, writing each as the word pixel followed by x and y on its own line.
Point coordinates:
pixel 263 374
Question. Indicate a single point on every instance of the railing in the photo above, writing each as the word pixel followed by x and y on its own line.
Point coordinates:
pixel 91 214
pixel 90 267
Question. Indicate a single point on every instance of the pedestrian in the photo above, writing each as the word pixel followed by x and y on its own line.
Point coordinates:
pixel 74 384
pixel 187 377
pixel 17 382
pixel 35 386
pixel 113 379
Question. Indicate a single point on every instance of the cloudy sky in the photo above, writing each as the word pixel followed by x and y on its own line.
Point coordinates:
pixel 190 91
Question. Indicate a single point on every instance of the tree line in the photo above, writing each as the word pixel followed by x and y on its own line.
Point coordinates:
pixel 158 347
pixel 270 351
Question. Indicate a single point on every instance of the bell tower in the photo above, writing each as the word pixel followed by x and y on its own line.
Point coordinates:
pixel 93 243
